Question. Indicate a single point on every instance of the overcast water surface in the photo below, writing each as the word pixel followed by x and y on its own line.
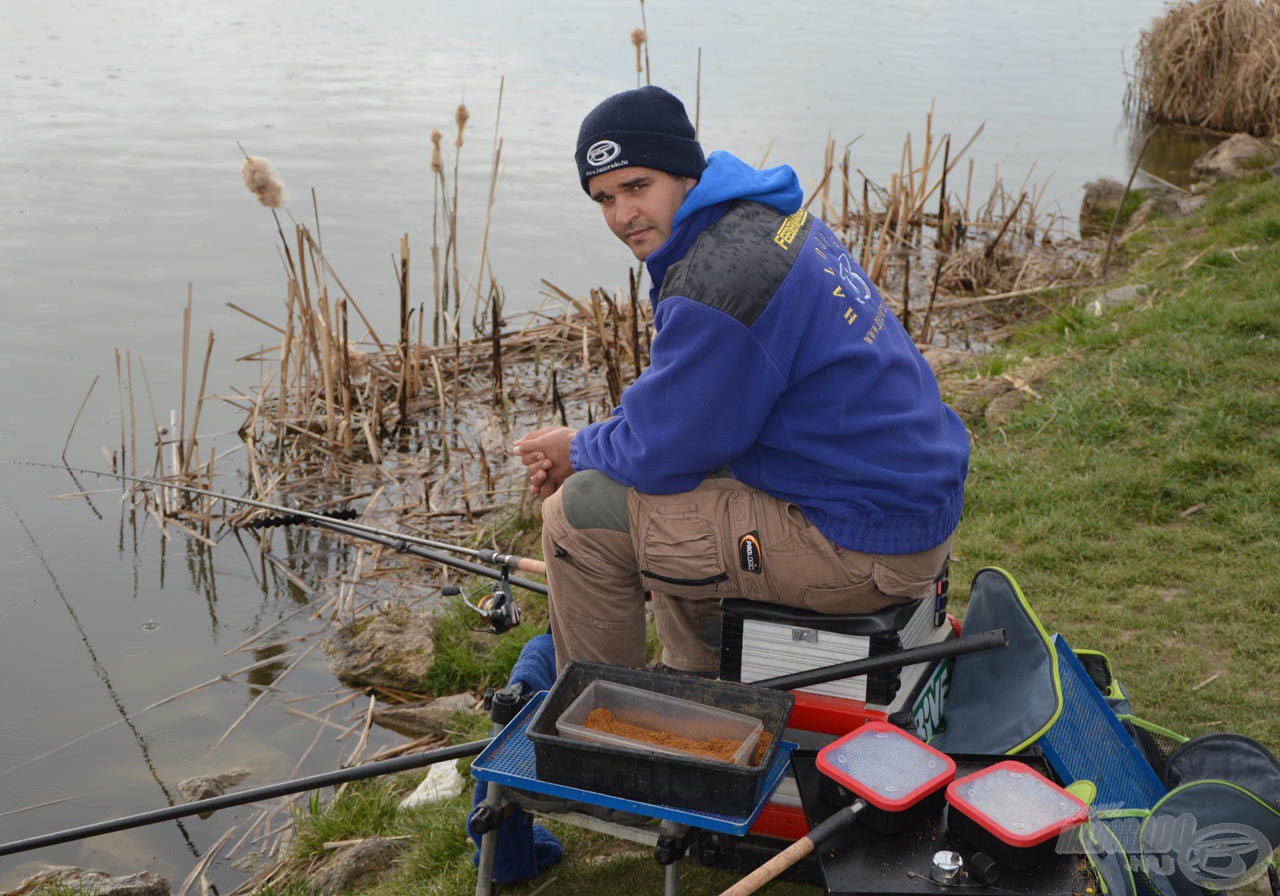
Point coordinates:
pixel 120 190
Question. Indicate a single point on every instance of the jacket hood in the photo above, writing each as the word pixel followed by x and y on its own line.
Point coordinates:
pixel 727 177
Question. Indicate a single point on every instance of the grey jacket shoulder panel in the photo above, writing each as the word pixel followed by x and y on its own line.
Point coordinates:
pixel 738 263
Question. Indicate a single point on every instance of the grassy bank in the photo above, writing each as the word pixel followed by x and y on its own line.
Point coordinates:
pixel 1133 497
pixel 1136 499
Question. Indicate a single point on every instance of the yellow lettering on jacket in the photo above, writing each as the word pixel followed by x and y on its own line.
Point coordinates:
pixel 789 228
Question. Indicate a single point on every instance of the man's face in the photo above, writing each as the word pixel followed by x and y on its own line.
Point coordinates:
pixel 639 205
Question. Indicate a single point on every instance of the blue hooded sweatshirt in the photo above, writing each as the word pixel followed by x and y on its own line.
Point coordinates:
pixel 773 355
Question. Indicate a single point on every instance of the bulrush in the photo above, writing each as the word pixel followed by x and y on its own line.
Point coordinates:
pixel 461 117
pixel 637 41
pixel 437 159
pixel 262 181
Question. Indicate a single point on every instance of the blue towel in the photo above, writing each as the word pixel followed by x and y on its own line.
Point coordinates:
pixel 525 849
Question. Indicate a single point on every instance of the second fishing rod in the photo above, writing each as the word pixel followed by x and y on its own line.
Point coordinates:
pixel 401 542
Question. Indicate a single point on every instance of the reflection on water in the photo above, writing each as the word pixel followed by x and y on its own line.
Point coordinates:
pixel 266 674
pixel 1173 149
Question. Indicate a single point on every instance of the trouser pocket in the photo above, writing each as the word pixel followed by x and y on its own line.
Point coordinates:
pixel 808 571
pixel 680 554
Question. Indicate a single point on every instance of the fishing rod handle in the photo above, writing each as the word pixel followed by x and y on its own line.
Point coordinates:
pixel 833 825
pixel 772 868
pixel 514 561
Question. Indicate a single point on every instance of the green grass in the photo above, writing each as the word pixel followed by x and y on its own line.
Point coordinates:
pixel 1136 502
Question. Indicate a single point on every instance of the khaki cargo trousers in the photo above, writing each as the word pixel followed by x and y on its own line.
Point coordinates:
pixel 605 545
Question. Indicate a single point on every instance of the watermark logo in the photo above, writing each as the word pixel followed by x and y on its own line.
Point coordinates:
pixel 1220 856
pixel 1217 857
pixel 602 152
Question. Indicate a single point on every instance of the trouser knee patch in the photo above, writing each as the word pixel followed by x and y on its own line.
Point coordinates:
pixel 591 500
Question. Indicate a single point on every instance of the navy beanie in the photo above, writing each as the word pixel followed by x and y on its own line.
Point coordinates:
pixel 647 127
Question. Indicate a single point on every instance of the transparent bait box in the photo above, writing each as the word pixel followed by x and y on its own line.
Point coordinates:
pixel 1012 812
pixel 665 716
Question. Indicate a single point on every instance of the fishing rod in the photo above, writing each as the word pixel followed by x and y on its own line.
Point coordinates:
pixel 269 791
pixel 512 697
pixel 398 541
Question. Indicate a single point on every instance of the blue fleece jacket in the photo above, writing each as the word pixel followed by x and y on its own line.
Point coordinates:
pixel 774 355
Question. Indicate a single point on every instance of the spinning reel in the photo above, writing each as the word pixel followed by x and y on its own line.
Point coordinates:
pixel 498 609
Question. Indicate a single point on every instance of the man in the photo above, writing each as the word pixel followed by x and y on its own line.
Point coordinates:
pixel 773 360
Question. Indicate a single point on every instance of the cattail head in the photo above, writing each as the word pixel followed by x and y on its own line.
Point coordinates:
pixel 262 181
pixel 437 160
pixel 637 40
pixel 461 117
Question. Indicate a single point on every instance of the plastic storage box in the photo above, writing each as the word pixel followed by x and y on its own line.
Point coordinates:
pixel 1012 812
pixel 899 777
pixel 659 713
pixel 679 781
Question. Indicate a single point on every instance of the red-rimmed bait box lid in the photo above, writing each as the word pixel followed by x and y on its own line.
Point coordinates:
pixel 1016 804
pixel 885 766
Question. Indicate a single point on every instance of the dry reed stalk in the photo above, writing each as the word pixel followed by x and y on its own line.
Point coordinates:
pixel 633 280
pixel 319 254
pixel 1115 219
pixel 76 419
pixel 461 115
pixel 186 348
pixel 326 723
pixel 204 379
pixel 205 860
pixel 990 248
pixel 343 353
pixel 494 167
pixel 187 530
pixel 403 396
pixel 644 23
pixel 324 337
pixel 1212 63
pixel 354 757
pixel 426 742
pixel 249 314
pixel 484 238
pixel 441 404
pixel 495 306
pixel 286 346
pixel 437 202
pixel 697 96
pixel 133 420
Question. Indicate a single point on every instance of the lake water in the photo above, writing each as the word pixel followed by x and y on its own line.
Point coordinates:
pixel 119 186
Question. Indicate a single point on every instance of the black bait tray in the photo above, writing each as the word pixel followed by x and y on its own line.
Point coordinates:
pixel 685 782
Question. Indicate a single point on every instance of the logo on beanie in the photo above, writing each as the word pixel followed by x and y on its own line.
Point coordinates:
pixel 602 152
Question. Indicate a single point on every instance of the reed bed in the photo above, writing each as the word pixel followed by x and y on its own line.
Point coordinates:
pixel 1212 64
pixel 416 430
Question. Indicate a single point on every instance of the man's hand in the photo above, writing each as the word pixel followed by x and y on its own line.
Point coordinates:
pixel 545 455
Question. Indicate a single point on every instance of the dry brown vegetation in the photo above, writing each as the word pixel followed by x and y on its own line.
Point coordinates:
pixel 415 428
pixel 1213 64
